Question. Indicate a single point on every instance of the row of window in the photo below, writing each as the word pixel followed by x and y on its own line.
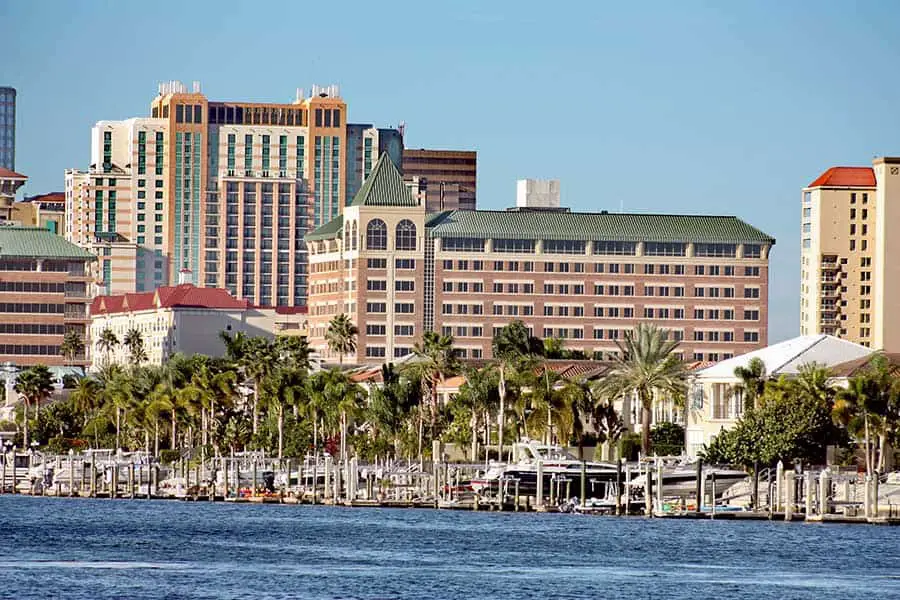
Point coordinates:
pixel 626 312
pixel 32 329
pixel 406 308
pixel 29 307
pixel 34 287
pixel 613 268
pixel 29 349
pixel 399 330
pixel 579 247
pixel 400 285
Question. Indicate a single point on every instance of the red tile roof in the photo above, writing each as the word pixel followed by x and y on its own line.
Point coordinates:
pixel 7 174
pixel 179 296
pixel 52 197
pixel 846 177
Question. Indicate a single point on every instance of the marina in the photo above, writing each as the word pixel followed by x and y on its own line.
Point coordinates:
pixel 538 478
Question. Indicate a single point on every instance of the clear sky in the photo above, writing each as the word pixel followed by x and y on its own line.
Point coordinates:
pixel 682 107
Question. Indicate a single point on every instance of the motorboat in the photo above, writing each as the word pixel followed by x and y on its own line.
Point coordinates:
pixel 680 480
pixel 557 467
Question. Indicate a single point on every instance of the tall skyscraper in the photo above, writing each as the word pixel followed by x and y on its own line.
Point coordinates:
pixel 442 179
pixel 365 144
pixel 849 283
pixel 218 193
pixel 8 128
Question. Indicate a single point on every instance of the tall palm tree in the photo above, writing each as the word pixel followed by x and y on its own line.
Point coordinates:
pixel 107 342
pixel 282 388
pixel 753 381
pixel 134 342
pixel 646 365
pixel 34 384
pixel 292 350
pixel 341 336
pixel 72 345
pixel 87 397
pixel 434 359
pixel 390 404
pixel 479 394
pixel 514 349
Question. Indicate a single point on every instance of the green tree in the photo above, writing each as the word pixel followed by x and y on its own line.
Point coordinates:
pixel 341 336
pixel 134 342
pixel 646 365
pixel 107 342
pixel 514 349
pixel 72 346
pixel 787 424
pixel 390 405
pixel 433 360
pixel 479 396
pixel 553 347
pixel 753 381
pixel 34 385
pixel 283 387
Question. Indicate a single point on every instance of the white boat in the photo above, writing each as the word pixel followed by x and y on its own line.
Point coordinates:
pixel 680 480
pixel 558 467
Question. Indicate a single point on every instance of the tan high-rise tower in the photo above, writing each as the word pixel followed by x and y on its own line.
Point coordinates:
pixel 848 278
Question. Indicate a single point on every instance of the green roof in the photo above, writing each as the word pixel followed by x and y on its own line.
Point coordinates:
pixel 36 242
pixel 330 230
pixel 384 187
pixel 560 225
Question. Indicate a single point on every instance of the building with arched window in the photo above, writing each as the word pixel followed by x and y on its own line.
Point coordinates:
pixel 583 278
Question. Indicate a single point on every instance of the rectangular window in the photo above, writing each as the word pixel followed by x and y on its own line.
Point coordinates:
pixel 462 244
pixel 665 248
pixel 376 285
pixel 564 247
pixel 405 285
pixel 614 248
pixel 715 250
pixel 375 329
pixel 507 245
pixel 752 250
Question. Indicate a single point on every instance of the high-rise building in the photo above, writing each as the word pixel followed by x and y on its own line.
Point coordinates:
pixel 8 128
pixel 365 144
pixel 44 293
pixel 441 179
pixel 586 278
pixel 847 279
pixel 226 190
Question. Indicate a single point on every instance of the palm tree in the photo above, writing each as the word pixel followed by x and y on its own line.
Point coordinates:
pixel 514 349
pixel 134 342
pixel 280 388
pixel 107 342
pixel 646 365
pixel 87 397
pixel 480 396
pixel 34 384
pixel 390 404
pixel 343 401
pixel 292 350
pixel 72 345
pixel 341 336
pixel 434 359
pixel 753 381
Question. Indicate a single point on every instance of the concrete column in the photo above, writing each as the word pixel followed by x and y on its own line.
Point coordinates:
pixel 352 478
pixel 327 494
pixel 789 478
pixel 779 486
pixel 659 486
pixel 824 491
pixel 809 493
pixel 540 483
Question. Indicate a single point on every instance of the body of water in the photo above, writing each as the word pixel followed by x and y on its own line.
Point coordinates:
pixel 74 548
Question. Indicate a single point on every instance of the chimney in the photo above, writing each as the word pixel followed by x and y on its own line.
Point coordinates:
pixel 184 276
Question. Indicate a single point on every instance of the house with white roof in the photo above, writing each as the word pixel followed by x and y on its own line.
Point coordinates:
pixel 715 403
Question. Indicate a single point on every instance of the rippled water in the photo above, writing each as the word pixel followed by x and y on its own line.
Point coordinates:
pixel 163 549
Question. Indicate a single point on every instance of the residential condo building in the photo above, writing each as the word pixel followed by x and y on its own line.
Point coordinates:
pixel 226 190
pixel 586 278
pixel 847 277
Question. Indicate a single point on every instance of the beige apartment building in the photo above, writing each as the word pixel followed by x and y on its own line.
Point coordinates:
pixel 586 278
pixel 171 319
pixel 847 276
pixel 226 190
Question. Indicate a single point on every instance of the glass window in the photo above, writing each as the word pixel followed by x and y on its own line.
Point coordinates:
pixel 405 235
pixel 615 248
pixel 564 247
pixel 665 248
pixel 376 233
pixel 507 245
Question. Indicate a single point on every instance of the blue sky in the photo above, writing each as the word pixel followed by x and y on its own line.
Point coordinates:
pixel 682 107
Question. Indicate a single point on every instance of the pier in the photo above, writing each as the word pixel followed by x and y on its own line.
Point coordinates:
pixel 814 496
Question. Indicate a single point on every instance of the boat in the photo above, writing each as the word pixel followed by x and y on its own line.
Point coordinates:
pixel 559 468
pixel 680 480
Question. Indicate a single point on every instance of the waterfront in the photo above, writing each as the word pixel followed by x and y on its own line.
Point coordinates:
pixel 152 549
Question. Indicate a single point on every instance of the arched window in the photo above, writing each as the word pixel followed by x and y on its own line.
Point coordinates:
pixel 376 235
pixel 406 235
pixel 354 236
pixel 346 235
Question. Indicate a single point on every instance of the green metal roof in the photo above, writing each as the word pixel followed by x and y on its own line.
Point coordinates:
pixel 36 242
pixel 592 226
pixel 330 230
pixel 384 187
